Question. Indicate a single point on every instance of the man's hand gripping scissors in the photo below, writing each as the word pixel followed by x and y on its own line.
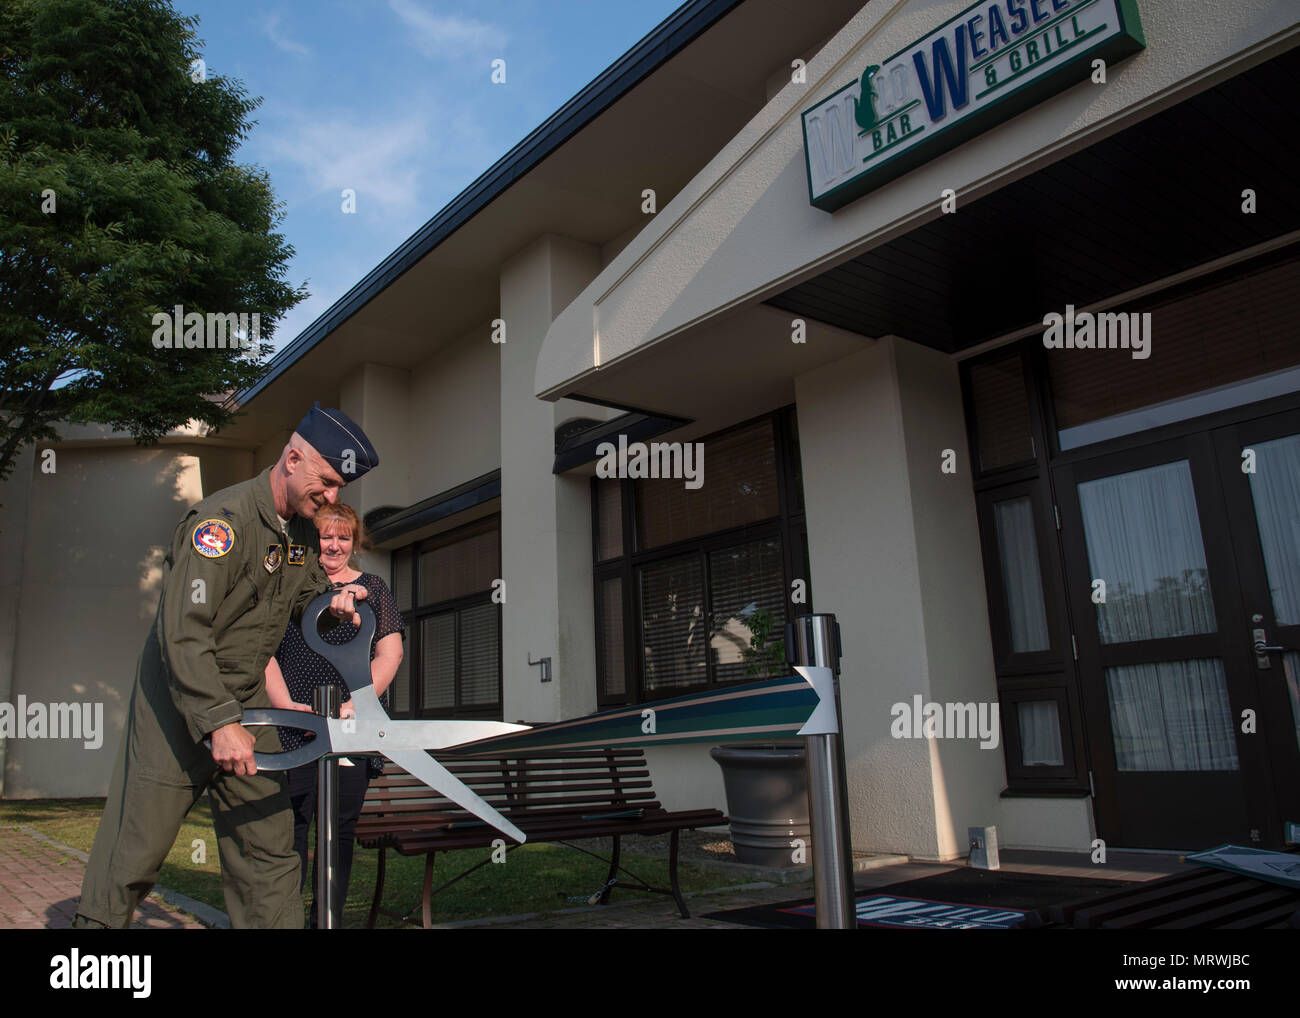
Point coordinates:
pixel 371 730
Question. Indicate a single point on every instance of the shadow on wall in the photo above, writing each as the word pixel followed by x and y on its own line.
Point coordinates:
pixel 180 476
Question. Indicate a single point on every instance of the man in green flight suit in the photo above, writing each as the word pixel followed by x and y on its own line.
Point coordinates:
pixel 240 564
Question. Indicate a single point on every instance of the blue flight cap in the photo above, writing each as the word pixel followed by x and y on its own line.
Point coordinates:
pixel 340 440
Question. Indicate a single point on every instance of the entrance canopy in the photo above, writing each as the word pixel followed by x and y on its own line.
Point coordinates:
pixel 1157 199
pixel 1096 192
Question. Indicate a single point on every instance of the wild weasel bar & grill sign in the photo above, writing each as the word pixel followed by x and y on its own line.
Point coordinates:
pixel 990 62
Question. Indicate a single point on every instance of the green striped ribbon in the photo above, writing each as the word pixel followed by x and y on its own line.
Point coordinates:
pixel 772 708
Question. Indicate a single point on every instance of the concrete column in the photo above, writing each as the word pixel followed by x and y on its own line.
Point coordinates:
pixel 895 554
pixel 545 519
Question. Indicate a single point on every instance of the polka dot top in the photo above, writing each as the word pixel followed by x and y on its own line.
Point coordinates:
pixel 304 669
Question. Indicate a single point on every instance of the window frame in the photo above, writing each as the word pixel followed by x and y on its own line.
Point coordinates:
pixel 1059 669
pixel 418 613
pixel 788 526
pixel 1053 671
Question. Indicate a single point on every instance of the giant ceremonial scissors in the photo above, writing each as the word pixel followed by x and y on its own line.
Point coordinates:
pixel 372 730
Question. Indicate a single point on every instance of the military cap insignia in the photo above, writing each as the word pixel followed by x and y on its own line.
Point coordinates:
pixel 272 560
pixel 213 538
pixel 297 554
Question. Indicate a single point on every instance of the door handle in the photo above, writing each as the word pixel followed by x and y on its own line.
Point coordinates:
pixel 1262 648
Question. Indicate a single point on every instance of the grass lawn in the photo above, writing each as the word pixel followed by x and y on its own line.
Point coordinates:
pixel 533 878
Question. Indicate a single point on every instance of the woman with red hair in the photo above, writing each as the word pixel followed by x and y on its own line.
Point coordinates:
pixel 296 670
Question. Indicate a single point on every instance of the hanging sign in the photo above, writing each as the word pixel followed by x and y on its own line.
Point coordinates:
pixel 990 62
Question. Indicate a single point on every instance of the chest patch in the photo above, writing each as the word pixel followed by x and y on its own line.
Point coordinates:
pixel 213 538
pixel 273 558
pixel 297 554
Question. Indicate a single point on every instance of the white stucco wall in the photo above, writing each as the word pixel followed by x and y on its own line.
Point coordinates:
pixel 15 504
pixel 377 397
pixel 453 429
pixel 98 527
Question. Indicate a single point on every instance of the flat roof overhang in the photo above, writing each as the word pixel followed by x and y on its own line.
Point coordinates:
pixel 1148 203
pixel 1154 200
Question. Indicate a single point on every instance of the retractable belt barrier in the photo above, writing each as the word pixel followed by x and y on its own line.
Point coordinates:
pixel 803 704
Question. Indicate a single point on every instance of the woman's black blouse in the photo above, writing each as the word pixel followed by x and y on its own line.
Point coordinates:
pixel 304 669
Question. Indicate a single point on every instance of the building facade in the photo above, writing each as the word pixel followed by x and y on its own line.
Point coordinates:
pixel 972 324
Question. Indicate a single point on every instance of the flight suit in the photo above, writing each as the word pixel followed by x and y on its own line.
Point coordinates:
pixel 233 580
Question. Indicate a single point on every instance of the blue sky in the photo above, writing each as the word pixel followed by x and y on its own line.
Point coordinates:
pixel 394 99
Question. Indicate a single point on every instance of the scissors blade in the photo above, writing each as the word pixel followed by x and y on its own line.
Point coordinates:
pixel 419 764
pixel 357 735
pixel 366 703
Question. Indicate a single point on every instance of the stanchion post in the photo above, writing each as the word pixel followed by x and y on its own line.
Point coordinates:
pixel 329 908
pixel 814 640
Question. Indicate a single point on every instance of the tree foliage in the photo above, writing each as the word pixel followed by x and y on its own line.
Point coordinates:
pixel 120 198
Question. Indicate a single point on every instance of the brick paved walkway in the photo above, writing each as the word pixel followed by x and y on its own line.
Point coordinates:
pixel 40 885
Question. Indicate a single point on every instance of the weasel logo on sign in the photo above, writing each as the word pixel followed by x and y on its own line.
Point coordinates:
pixel 272 560
pixel 297 554
pixel 213 538
pixel 992 61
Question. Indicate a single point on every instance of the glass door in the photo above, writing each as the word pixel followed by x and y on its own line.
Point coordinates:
pixel 1260 465
pixel 1155 610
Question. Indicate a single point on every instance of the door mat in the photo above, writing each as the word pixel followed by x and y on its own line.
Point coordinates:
pixel 962 899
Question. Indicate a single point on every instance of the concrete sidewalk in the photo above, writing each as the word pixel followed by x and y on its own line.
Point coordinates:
pixel 40 884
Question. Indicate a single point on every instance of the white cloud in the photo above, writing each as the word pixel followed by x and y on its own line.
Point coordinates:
pixel 381 161
pixel 437 35
pixel 271 29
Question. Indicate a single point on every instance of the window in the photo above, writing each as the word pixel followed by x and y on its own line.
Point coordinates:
pixel 1228 344
pixel 444 586
pixel 1001 404
pixel 1040 715
pixel 682 575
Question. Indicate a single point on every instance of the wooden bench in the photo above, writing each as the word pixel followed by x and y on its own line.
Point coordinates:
pixel 552 797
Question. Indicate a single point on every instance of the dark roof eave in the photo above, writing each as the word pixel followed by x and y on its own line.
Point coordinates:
pixel 438 507
pixel 677 31
pixel 581 449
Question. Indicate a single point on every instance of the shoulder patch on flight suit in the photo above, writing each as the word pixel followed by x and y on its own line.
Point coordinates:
pixel 213 538
pixel 297 554
pixel 272 560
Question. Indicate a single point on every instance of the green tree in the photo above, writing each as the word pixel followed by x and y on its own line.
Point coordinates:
pixel 120 199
